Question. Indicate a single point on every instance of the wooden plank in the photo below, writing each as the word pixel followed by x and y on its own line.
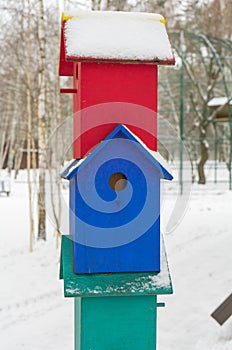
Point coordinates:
pixel 167 62
pixel 68 91
pixel 114 284
pixel 134 86
pixel 160 304
pixel 65 68
pixel 61 276
pixel 224 311
pixel 117 323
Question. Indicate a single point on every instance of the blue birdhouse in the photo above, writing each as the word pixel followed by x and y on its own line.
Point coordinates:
pixel 115 206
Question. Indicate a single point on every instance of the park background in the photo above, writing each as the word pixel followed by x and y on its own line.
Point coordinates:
pixel 194 136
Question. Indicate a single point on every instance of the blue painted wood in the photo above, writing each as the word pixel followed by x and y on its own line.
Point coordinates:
pixel 72 204
pixel 119 132
pixel 116 231
pixel 112 284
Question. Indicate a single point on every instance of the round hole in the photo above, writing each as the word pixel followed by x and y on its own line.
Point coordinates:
pixel 118 181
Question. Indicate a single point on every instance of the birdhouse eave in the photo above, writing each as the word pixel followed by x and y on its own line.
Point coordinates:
pixel 156 159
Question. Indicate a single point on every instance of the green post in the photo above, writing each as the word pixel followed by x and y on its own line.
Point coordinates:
pixel 77 323
pixel 116 322
pixel 114 311
pixel 215 152
pixel 181 111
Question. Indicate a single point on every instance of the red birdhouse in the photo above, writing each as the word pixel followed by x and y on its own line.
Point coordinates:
pixel 113 58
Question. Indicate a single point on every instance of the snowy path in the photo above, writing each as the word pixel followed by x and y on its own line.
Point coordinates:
pixel 200 258
pixel 34 315
pixel 33 312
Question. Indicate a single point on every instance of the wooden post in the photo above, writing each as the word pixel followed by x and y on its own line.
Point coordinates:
pixel 224 311
pixel 116 322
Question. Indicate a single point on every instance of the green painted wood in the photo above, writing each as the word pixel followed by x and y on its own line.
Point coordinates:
pixel 77 323
pixel 117 323
pixel 61 265
pixel 115 284
pixel 160 304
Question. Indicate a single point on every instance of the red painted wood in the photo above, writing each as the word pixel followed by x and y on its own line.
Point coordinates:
pixel 76 107
pixel 65 68
pixel 100 83
pixel 158 61
pixel 68 91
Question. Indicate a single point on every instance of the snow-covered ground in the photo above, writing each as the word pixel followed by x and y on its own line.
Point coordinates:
pixel 34 314
pixel 200 260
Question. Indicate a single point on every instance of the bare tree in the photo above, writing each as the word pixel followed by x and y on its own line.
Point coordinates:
pixel 29 126
pixel 41 126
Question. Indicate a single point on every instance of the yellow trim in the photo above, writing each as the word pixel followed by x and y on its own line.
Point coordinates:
pixel 65 17
pixel 68 17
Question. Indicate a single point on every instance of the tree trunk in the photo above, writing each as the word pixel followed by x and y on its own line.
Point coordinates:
pixel 19 156
pixel 5 152
pixel 13 121
pixel 96 5
pixel 4 142
pixel 29 128
pixel 41 127
pixel 204 155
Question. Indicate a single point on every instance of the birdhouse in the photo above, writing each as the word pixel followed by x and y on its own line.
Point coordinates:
pixel 113 263
pixel 116 310
pixel 220 106
pixel 115 206
pixel 113 58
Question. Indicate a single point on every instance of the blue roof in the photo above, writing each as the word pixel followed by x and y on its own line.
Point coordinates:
pixel 120 132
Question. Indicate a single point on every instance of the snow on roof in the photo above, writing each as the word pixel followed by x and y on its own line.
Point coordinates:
pixel 148 283
pixel 130 36
pixel 70 166
pixel 155 154
pixel 218 101
pixel 70 169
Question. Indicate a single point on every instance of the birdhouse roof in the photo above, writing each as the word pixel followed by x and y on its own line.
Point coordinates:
pixel 219 101
pixel 121 131
pixel 116 36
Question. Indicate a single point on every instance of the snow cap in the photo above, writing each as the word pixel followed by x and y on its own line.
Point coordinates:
pixel 121 130
pixel 219 101
pixel 116 36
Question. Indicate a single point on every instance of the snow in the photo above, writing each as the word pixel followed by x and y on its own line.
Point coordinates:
pixel 162 279
pixel 206 143
pixel 136 284
pixel 218 101
pixel 35 315
pixel 70 166
pixel 117 36
pixel 73 164
pixel 155 154
pixel 31 302
pixel 200 261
